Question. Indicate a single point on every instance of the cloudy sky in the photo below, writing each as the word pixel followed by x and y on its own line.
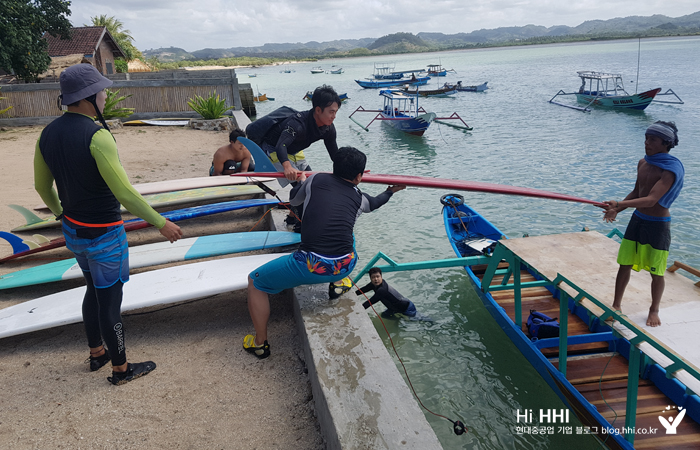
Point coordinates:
pixel 194 25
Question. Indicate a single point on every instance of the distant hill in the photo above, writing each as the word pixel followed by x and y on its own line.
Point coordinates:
pixel 632 26
pixel 170 54
pixel 617 26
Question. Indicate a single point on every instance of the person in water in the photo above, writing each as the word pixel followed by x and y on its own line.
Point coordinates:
pixel 648 236
pixel 332 204
pixel 232 158
pixel 82 158
pixel 391 298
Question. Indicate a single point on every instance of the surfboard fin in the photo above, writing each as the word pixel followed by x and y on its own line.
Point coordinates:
pixel 29 216
pixel 31 244
pixel 41 240
pixel 262 162
pixel 18 246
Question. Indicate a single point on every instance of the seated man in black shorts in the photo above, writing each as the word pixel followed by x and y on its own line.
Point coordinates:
pixel 232 158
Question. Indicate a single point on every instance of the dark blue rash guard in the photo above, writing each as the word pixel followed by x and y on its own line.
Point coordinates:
pixel 331 207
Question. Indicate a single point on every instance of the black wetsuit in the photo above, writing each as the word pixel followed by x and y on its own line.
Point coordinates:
pixel 331 207
pixel 390 297
pixel 297 133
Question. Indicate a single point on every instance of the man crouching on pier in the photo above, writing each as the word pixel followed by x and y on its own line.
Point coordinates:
pixel 332 203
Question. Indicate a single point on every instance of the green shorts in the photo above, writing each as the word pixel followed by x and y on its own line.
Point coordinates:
pixel 646 244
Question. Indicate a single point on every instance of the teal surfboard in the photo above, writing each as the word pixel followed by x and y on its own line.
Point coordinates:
pixel 159 253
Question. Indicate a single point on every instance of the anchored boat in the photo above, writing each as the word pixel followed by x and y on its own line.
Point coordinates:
pixel 475 88
pixel 444 91
pixel 310 95
pixel 401 111
pixel 630 385
pixel 607 90
pixel 376 84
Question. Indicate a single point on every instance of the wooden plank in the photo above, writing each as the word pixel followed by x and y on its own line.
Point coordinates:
pixel 588 259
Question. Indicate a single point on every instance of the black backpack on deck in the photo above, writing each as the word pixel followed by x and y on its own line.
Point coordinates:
pixel 257 130
pixel 541 326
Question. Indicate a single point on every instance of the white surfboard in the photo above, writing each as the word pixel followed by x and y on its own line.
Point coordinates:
pixel 193 183
pixel 160 287
pixel 158 253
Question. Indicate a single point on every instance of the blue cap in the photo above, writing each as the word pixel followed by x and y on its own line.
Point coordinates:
pixel 81 81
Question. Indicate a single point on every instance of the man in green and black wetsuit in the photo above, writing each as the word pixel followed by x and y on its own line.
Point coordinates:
pixel 82 158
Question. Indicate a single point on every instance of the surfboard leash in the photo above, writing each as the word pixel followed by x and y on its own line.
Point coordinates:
pixel 457 425
pixel 269 191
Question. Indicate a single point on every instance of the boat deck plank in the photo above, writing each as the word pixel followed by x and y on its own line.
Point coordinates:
pixel 588 259
pixel 603 379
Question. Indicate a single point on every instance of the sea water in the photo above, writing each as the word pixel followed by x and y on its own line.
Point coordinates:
pixel 462 365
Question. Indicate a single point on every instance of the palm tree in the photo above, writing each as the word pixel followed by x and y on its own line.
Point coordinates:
pixel 121 36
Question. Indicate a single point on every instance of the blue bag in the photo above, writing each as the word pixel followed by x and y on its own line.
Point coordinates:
pixel 541 326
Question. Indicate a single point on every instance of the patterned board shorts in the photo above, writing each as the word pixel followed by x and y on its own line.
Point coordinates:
pixel 301 268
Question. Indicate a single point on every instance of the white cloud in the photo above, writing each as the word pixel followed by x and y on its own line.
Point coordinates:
pixel 194 25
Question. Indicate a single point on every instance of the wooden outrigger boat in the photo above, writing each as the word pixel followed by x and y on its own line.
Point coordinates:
pixel 376 84
pixel 310 95
pixel 436 70
pixel 401 111
pixel 607 90
pixel 605 376
pixel 385 71
pixel 475 88
pixel 444 91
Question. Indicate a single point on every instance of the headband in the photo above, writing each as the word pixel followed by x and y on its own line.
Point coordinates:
pixel 665 132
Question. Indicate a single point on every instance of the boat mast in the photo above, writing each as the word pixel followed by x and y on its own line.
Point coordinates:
pixel 639 53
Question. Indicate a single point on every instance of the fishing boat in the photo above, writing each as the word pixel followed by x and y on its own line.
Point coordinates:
pixel 337 71
pixel 260 97
pixel 377 84
pixel 607 90
pixel 475 88
pixel 401 111
pixel 310 95
pixel 316 70
pixel 252 75
pixel 644 377
pixel 445 91
pixel 385 71
pixel 436 70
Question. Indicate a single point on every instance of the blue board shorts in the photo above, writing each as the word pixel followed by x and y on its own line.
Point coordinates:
pixel 299 268
pixel 105 257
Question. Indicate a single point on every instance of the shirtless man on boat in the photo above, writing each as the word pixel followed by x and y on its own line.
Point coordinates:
pixel 648 236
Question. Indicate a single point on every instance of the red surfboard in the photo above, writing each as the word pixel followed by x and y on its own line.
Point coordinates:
pixel 442 183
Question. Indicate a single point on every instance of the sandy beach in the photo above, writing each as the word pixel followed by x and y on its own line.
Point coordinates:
pixel 206 391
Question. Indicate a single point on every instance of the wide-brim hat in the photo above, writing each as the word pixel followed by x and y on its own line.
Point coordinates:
pixel 81 81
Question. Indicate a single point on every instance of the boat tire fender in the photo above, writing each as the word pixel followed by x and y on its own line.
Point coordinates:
pixel 452 200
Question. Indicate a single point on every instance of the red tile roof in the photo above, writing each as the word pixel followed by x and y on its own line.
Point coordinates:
pixel 84 41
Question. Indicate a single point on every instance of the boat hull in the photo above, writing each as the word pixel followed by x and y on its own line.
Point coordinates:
pixel 636 101
pixel 479 227
pixel 375 84
pixel 411 125
pixel 478 88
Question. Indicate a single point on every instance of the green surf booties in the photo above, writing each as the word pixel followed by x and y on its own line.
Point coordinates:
pixel 133 371
pixel 262 351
